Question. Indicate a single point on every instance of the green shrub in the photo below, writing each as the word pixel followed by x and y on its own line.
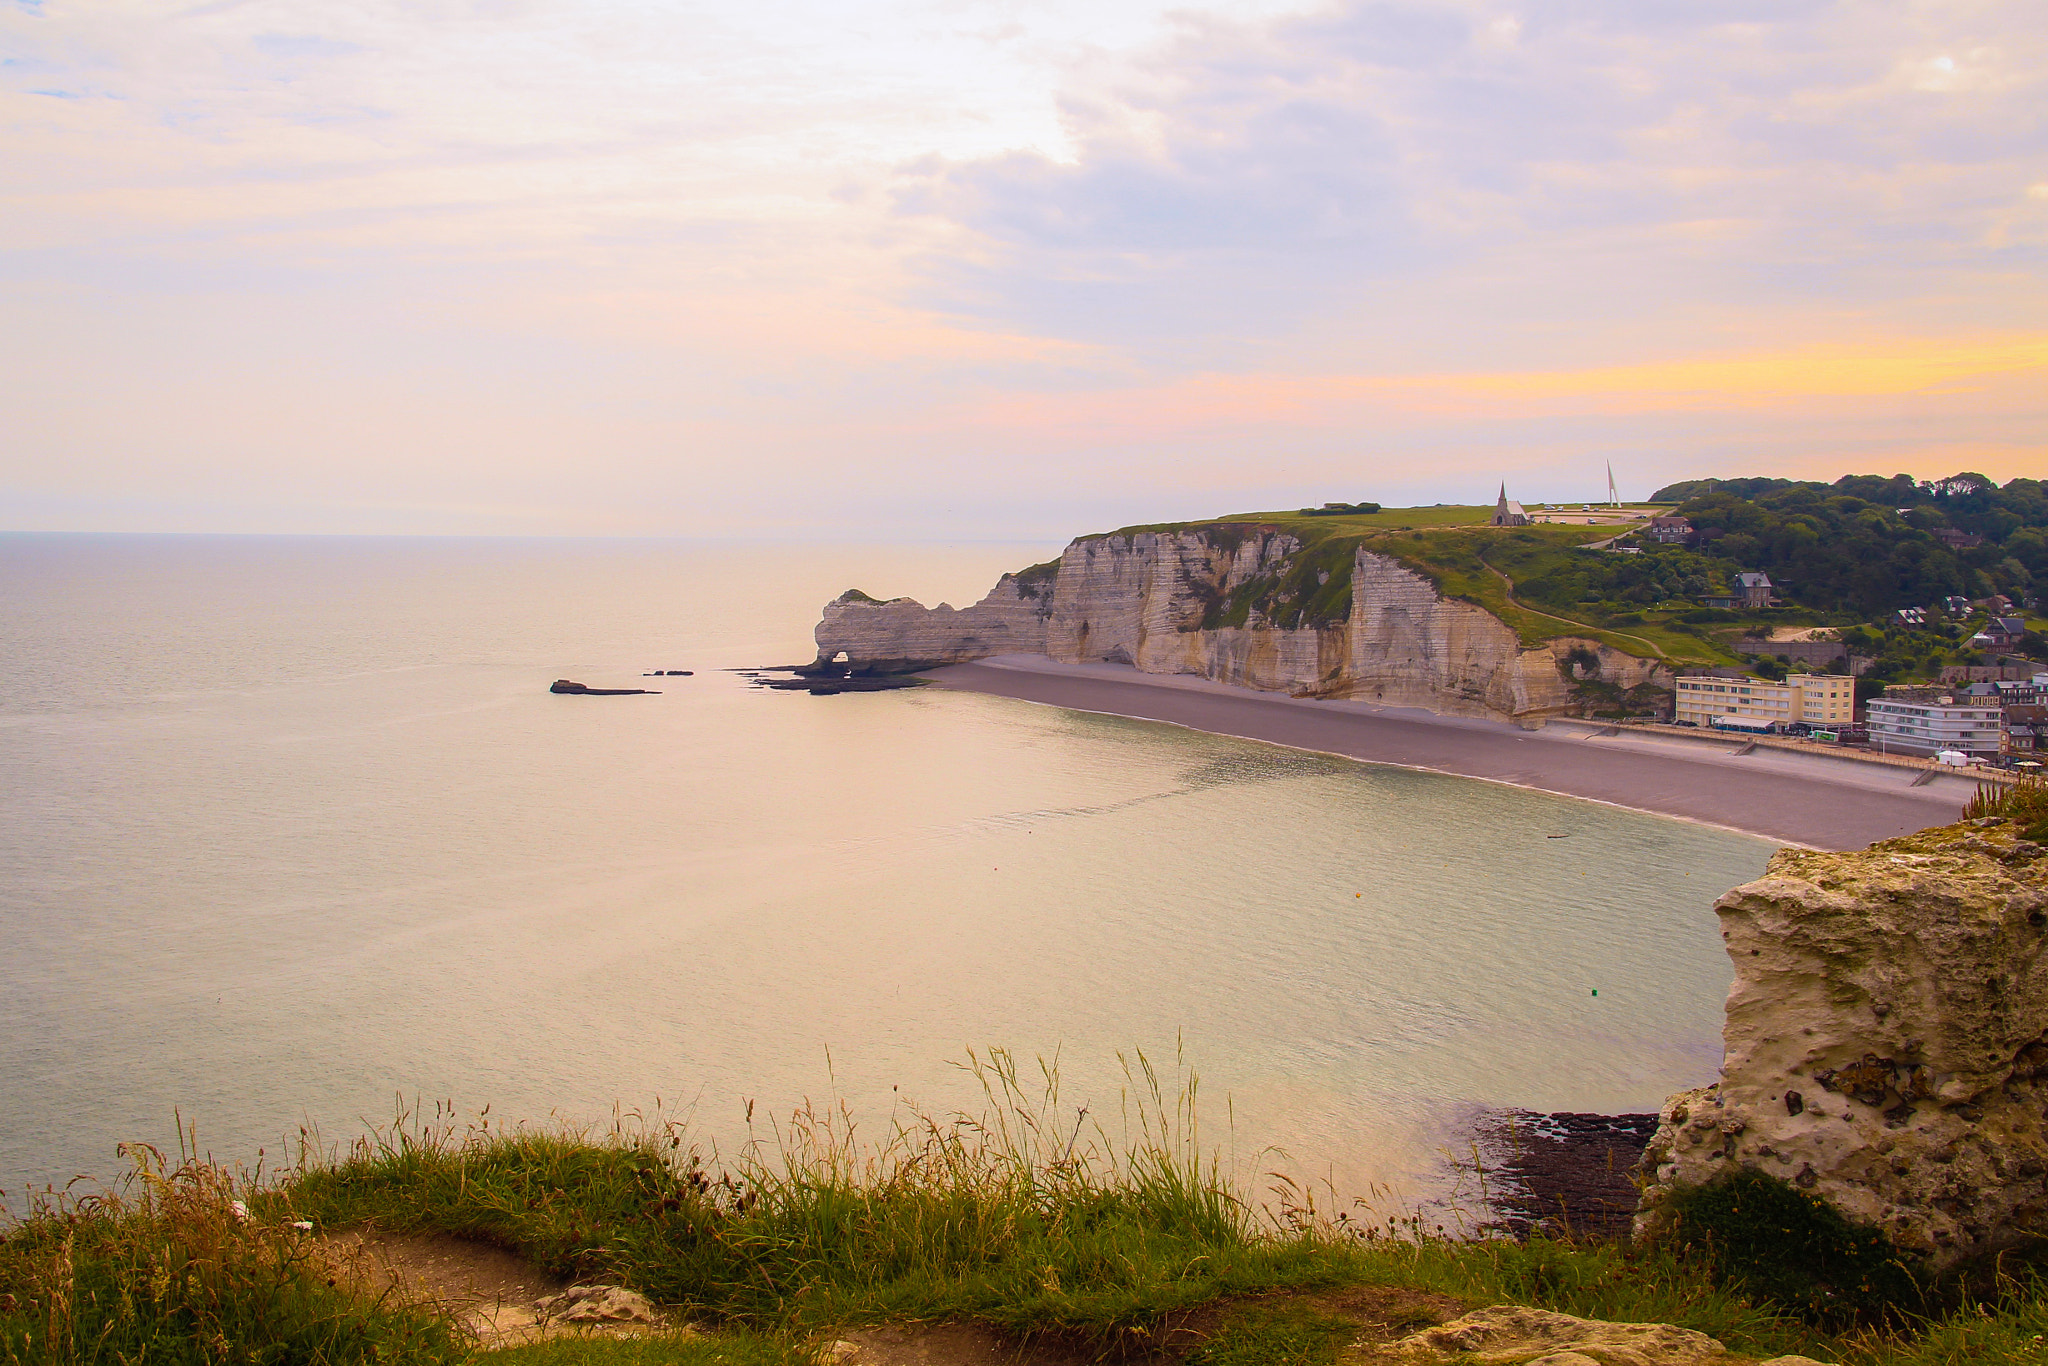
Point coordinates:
pixel 2024 802
pixel 173 1268
pixel 1777 1243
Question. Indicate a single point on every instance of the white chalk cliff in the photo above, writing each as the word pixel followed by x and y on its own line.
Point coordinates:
pixel 1887 1042
pixel 1244 605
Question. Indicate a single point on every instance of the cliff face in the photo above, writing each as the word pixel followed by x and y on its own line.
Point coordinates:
pixel 903 636
pixel 1887 1041
pixel 1242 605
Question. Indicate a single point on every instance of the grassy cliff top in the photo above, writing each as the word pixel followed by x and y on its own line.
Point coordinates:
pixel 1490 567
pixel 1018 1222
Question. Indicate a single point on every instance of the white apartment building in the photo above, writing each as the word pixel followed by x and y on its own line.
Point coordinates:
pixel 1927 725
pixel 1824 701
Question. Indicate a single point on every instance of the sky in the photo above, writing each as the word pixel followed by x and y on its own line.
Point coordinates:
pixel 973 269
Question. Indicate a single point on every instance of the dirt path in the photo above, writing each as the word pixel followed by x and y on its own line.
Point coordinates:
pixel 1376 1314
pixel 491 1292
pixel 1509 585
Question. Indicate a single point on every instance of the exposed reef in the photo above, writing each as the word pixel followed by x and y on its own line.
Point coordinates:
pixel 1886 1042
pixel 1244 604
pixel 564 687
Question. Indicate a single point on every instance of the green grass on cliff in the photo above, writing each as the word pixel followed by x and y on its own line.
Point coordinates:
pixel 1453 548
pixel 1028 1218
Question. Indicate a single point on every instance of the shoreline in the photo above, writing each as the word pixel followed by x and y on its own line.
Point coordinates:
pixel 1808 800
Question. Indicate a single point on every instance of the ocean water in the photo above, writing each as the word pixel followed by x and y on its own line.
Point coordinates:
pixel 294 835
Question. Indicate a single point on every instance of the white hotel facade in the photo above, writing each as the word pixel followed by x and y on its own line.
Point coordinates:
pixel 1823 701
pixel 1924 726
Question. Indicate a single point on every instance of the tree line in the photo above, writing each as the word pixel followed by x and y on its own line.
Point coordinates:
pixel 1866 544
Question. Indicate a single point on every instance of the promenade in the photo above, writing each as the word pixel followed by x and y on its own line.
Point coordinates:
pixel 1794 795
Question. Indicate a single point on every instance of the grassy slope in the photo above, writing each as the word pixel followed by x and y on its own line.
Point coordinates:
pixel 1453 547
pixel 1003 1219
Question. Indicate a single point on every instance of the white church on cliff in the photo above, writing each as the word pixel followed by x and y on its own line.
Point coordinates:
pixel 1507 512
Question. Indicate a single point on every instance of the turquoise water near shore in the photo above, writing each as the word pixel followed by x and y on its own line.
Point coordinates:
pixel 294 830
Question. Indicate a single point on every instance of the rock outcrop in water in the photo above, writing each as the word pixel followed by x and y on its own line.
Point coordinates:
pixel 563 687
pixel 1887 1042
pixel 1243 604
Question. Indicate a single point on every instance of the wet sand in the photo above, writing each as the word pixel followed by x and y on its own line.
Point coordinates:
pixel 1805 799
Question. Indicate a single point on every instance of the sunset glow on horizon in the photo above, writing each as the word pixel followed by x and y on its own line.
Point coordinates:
pixel 938 268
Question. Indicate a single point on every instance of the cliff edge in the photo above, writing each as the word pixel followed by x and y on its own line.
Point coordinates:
pixel 1886 1042
pixel 1245 604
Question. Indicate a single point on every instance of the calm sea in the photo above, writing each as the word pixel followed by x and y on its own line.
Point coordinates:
pixel 294 833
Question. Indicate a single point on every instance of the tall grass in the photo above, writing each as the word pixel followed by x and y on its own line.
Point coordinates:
pixel 2024 802
pixel 1027 1214
pixel 171 1266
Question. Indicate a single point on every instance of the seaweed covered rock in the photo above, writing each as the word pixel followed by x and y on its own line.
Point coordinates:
pixel 1886 1044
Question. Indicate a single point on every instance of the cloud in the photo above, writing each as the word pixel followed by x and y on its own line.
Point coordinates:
pixel 1671 158
pixel 859 262
pixel 302 45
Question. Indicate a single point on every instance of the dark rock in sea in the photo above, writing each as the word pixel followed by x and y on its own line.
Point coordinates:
pixel 807 679
pixel 569 689
pixel 681 673
pixel 1567 1175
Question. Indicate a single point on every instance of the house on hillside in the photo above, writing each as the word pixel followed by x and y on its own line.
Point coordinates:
pixel 2001 633
pixel 1957 540
pixel 1669 530
pixel 1754 589
pixel 1912 618
pixel 1507 512
pixel 1955 606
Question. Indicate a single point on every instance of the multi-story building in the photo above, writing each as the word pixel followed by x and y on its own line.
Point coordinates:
pixel 1923 721
pixel 2026 731
pixel 1729 700
pixel 2005 693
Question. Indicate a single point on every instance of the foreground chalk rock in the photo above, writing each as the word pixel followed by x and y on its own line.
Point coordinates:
pixel 1510 1335
pixel 1886 1042
pixel 1244 604
pixel 595 1304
